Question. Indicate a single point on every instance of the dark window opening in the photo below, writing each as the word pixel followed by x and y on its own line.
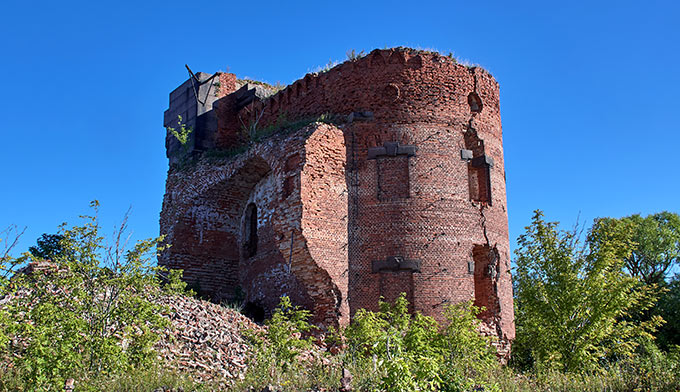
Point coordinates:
pixel 479 169
pixel 475 103
pixel 486 270
pixel 254 311
pixel 250 243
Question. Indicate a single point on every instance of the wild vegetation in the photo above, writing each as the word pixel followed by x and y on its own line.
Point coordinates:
pixel 87 314
pixel 596 310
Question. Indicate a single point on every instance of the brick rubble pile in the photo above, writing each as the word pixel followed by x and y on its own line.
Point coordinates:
pixel 205 339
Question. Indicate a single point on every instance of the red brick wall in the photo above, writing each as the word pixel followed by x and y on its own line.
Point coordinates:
pixel 298 185
pixel 346 210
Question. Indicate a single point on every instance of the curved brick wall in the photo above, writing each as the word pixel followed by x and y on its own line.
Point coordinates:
pixel 399 86
pixel 408 196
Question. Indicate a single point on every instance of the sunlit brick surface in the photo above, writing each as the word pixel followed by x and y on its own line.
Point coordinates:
pixel 409 216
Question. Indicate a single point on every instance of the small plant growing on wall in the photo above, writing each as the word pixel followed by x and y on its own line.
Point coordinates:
pixel 182 135
pixel 250 130
pixel 354 55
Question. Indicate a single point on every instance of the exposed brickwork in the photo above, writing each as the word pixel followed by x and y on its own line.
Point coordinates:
pixel 383 204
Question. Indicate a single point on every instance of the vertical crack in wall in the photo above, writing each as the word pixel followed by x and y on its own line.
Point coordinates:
pixel 494 271
pixel 493 268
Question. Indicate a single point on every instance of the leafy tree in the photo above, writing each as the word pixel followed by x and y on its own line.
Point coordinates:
pixel 47 247
pixel 90 312
pixel 669 308
pixel 655 252
pixel 657 249
pixel 573 297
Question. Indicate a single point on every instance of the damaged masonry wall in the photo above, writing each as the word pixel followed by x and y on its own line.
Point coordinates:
pixel 407 195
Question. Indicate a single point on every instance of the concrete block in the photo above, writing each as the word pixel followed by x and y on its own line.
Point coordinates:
pixel 395 263
pixel 407 150
pixel 375 152
pixel 483 160
pixel 391 148
pixel 182 89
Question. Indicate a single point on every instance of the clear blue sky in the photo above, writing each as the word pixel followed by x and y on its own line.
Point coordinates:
pixel 590 94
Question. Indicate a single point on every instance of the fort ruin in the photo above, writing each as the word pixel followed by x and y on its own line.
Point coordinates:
pixel 383 175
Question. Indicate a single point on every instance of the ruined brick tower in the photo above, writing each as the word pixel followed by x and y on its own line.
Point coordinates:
pixel 379 176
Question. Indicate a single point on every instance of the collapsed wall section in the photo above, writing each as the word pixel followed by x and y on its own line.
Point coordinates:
pixel 245 229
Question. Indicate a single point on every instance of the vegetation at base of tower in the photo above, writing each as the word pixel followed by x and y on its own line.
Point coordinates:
pixel 410 353
pixel 585 322
pixel 278 348
pixel 389 350
pixel 87 313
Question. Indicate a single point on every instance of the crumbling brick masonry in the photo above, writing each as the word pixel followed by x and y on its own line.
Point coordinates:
pixel 402 192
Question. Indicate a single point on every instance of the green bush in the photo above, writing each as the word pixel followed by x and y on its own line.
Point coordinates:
pixel 277 350
pixel 407 352
pixel 88 313
pixel 574 303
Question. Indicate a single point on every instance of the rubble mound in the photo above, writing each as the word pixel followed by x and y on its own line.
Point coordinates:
pixel 205 339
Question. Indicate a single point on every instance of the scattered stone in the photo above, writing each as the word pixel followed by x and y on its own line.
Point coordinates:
pixel 346 381
pixel 205 339
pixel 69 384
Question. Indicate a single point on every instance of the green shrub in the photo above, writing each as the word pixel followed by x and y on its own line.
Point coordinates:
pixel 575 304
pixel 277 350
pixel 408 352
pixel 88 313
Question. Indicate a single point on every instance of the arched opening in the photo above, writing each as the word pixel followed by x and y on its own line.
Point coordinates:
pixel 250 239
pixel 212 249
pixel 475 103
pixel 254 311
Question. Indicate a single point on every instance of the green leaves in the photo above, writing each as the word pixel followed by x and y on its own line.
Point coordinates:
pixel 573 297
pixel 286 332
pixel 655 241
pixel 182 135
pixel 88 312
pixel 279 346
pixel 414 352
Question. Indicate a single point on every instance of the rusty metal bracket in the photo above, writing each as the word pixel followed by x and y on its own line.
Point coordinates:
pixel 194 81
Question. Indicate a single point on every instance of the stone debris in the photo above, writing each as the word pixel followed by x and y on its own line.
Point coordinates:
pixel 205 339
pixel 346 381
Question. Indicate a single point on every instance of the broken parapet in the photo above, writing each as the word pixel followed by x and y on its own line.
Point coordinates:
pixel 192 106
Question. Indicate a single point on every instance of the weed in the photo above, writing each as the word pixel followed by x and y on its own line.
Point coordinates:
pixel 353 55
